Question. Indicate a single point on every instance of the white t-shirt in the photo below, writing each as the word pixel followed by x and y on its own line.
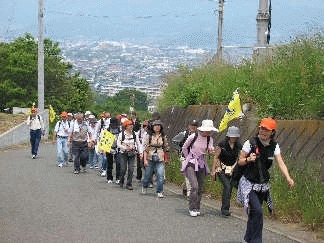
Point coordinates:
pixel 247 148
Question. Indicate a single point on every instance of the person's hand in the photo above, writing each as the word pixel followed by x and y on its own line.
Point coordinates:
pixel 252 157
pixel 213 175
pixel 291 182
pixel 146 163
pixel 43 133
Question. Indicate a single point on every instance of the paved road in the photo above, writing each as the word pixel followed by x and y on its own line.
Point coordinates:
pixel 40 202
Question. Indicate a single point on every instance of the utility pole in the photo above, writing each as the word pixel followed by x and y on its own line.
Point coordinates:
pixel 40 56
pixel 263 28
pixel 219 54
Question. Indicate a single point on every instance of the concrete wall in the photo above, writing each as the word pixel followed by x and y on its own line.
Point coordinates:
pixel 20 133
pixel 298 139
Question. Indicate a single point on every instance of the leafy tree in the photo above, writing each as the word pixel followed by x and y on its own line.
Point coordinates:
pixel 125 99
pixel 19 76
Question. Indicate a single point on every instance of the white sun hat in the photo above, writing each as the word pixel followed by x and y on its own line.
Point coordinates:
pixel 207 126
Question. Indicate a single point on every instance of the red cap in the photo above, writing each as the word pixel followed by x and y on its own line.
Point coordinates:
pixel 268 123
pixel 127 122
pixel 64 114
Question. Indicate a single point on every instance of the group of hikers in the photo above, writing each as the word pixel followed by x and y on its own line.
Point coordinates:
pixel 144 145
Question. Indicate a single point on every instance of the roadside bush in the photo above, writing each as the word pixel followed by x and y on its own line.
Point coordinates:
pixel 290 85
pixel 303 204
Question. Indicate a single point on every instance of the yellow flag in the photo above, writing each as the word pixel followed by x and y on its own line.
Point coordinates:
pixel 233 111
pixel 106 141
pixel 51 114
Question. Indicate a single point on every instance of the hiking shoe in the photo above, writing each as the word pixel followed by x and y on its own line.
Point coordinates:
pixel 160 195
pixel 121 184
pixel 193 213
pixel 225 214
pixel 144 190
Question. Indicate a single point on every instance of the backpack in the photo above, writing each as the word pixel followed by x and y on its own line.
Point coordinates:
pixel 238 171
pixel 150 140
pixel 61 122
pixel 114 130
pixel 30 117
pixel 194 140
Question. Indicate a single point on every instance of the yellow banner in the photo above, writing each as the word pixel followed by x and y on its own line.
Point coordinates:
pixel 51 114
pixel 106 141
pixel 233 111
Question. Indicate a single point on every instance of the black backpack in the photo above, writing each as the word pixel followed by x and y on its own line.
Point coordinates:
pixel 238 171
pixel 194 140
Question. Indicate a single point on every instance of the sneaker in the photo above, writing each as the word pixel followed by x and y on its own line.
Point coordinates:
pixel 109 181
pixel 160 195
pixel 150 185
pixel 104 173
pixel 198 213
pixel 117 181
pixel 193 213
pixel 33 156
pixel 60 165
pixel 144 190
pixel 91 167
pixel 96 167
pixel 76 172
pixel 84 169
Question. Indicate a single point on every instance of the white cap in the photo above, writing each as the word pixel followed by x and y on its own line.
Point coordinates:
pixel 87 113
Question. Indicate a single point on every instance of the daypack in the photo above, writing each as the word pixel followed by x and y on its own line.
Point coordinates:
pixel 179 139
pixel 115 131
pixel 194 140
pixel 61 122
pixel 150 140
pixel 30 117
pixel 238 171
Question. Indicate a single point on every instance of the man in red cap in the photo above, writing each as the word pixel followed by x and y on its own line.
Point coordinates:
pixel 60 137
pixel 37 129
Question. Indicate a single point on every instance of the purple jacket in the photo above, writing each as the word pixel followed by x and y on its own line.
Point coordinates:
pixel 197 154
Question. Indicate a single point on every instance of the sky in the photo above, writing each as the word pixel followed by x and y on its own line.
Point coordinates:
pixel 169 22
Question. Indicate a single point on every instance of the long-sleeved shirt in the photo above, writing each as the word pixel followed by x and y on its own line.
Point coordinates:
pixel 129 140
pixel 197 154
